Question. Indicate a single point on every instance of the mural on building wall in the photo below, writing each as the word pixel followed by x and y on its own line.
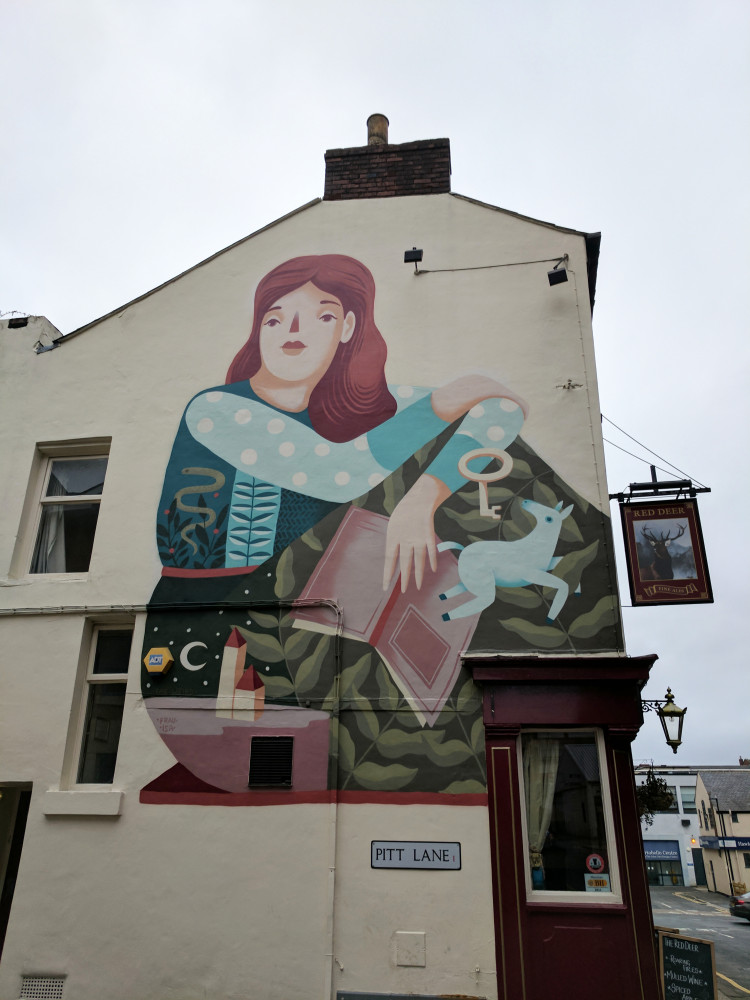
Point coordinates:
pixel 331 544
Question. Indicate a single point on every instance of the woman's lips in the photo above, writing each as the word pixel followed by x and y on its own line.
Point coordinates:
pixel 293 347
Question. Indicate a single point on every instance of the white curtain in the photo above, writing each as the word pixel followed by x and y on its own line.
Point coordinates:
pixel 49 556
pixel 540 759
pixel 50 546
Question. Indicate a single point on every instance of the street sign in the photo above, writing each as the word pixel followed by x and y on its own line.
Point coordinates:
pixel 415 854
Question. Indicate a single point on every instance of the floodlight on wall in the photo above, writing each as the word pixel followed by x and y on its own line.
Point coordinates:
pixel 558 274
pixel 670 716
pixel 414 257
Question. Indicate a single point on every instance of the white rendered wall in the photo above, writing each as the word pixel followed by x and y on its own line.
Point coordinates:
pixel 183 902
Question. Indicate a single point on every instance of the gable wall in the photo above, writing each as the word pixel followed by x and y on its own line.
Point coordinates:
pixel 210 898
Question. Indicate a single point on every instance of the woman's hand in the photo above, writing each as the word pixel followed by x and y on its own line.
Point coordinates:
pixel 453 400
pixel 410 539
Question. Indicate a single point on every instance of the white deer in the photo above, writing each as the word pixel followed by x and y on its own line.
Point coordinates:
pixel 482 566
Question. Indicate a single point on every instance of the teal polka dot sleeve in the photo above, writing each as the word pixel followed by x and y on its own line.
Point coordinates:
pixel 273 446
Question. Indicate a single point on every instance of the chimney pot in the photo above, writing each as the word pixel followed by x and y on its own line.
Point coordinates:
pixel 377 130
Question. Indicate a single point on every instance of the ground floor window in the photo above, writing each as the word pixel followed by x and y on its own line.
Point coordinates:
pixel 568 846
pixel 104 694
pixel 664 873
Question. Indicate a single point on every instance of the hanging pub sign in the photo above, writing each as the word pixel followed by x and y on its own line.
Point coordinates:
pixel 664 552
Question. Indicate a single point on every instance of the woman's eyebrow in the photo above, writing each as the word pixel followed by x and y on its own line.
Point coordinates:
pixel 272 308
pixel 330 302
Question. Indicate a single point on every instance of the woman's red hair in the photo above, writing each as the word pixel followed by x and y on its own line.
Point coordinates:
pixel 352 397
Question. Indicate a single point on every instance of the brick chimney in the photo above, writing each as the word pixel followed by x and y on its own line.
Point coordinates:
pixel 384 170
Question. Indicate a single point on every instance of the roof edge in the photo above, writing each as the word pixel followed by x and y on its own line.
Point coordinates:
pixel 516 215
pixel 194 267
pixel 592 243
pixel 592 240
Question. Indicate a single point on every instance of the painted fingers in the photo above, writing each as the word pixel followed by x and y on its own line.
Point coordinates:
pixel 407 554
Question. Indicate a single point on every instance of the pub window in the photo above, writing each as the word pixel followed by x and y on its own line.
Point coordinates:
pixel 687 794
pixel 271 761
pixel 746 857
pixel 569 840
pixel 734 816
pixel 69 501
pixel 103 700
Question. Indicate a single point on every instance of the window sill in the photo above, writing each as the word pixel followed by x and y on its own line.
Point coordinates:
pixel 29 578
pixel 612 904
pixel 55 577
pixel 82 803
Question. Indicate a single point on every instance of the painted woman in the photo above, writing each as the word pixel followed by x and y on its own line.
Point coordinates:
pixel 306 422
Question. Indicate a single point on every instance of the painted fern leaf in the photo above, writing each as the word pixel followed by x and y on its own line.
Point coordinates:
pixel 252 521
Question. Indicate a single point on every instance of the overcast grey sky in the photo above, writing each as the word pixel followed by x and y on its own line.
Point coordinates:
pixel 140 136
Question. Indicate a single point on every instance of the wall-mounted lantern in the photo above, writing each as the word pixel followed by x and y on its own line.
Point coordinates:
pixel 670 716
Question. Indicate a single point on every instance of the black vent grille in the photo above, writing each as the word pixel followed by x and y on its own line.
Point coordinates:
pixel 42 987
pixel 271 761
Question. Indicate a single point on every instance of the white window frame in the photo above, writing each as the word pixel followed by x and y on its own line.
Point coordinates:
pixel 86 678
pixel 614 896
pixel 44 454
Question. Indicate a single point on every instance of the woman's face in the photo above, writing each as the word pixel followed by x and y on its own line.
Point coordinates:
pixel 300 333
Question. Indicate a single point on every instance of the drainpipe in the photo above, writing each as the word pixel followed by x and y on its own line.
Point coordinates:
pixel 330 958
pixel 727 856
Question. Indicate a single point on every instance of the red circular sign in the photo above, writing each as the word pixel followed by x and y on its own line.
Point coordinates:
pixel 595 863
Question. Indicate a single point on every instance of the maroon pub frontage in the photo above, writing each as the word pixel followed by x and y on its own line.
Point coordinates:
pixel 588 710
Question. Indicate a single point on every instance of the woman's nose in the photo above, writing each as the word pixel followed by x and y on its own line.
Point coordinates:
pixel 294 328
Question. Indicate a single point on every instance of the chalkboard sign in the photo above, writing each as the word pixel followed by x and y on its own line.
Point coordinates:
pixel 687 967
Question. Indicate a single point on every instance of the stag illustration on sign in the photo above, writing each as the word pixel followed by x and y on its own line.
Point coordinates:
pixel 482 566
pixel 660 567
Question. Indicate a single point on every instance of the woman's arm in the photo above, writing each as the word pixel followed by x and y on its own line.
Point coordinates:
pixel 274 446
pixel 455 399
pixel 410 540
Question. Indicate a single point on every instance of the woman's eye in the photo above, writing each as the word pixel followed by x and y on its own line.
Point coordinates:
pixel 272 321
pixel 327 318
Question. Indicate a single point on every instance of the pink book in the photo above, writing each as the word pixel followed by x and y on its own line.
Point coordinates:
pixel 421 651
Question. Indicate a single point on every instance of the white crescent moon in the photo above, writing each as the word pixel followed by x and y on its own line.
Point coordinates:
pixel 184 656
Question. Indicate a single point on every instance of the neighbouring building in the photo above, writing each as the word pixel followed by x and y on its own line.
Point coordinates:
pixel 672 841
pixel 723 802
pixel 314 682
